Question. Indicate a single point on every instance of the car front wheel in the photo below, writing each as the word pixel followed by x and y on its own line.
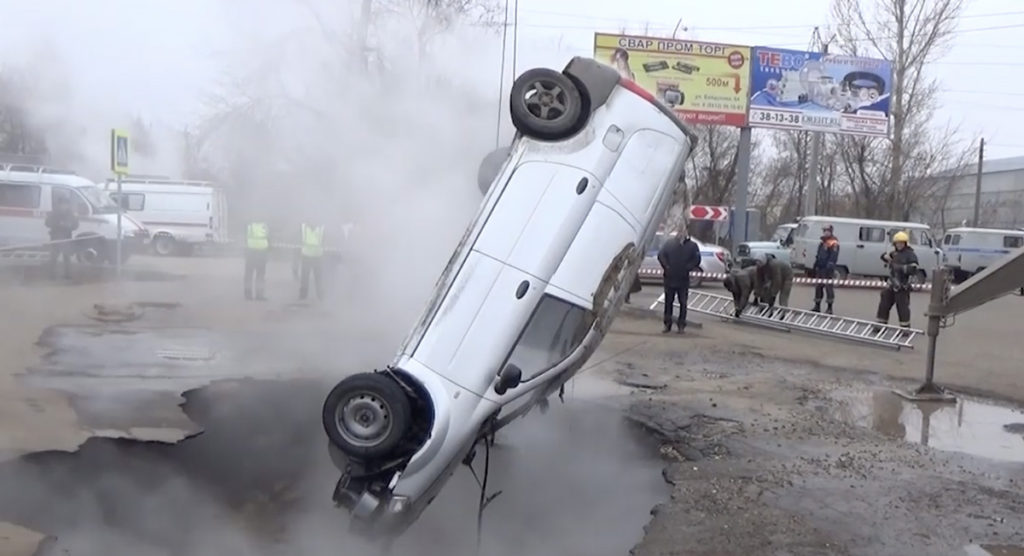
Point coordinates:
pixel 367 415
pixel 545 104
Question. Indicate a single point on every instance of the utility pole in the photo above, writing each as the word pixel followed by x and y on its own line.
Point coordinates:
pixel 811 205
pixel 977 185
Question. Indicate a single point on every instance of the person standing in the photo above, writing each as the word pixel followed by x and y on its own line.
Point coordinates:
pixel 62 223
pixel 825 268
pixel 902 261
pixel 679 256
pixel 312 252
pixel 257 250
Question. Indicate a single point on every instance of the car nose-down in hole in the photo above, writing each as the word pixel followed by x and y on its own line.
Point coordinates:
pixel 526 297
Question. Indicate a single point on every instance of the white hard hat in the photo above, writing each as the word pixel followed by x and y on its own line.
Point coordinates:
pixel 760 258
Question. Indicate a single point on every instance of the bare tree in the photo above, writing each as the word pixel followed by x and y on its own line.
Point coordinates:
pixel 885 176
pixel 18 134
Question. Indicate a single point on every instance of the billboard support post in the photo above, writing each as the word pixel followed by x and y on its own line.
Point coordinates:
pixel 739 224
pixel 811 204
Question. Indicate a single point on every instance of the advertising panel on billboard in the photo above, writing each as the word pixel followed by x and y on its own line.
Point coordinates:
pixel 705 83
pixel 811 91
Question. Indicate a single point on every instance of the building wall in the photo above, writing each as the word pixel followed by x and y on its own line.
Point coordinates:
pixel 1002 201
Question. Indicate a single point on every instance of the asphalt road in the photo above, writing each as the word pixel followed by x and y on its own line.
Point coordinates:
pixel 766 429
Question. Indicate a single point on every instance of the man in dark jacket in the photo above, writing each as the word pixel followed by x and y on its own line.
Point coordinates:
pixel 679 256
pixel 825 267
pixel 62 223
pixel 902 261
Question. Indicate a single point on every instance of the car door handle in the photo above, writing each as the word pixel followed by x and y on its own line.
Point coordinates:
pixel 860 246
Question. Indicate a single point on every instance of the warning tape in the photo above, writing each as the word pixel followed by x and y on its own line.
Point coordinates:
pixel 861 283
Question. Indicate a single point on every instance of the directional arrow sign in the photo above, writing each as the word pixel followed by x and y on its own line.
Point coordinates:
pixel 705 212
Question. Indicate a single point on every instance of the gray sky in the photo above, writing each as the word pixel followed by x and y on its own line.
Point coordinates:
pixel 160 57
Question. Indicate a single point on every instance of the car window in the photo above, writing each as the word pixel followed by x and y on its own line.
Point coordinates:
pixel 1013 242
pixel 946 239
pixel 875 235
pixel 801 230
pixel 131 201
pixel 556 328
pixel 914 235
pixel 655 246
pixel 20 196
pixel 956 239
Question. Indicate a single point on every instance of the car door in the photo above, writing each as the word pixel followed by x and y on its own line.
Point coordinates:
pixel 871 245
pixel 642 172
pixel 537 217
pixel 21 220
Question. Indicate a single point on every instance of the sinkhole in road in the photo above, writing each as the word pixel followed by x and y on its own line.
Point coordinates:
pixel 577 480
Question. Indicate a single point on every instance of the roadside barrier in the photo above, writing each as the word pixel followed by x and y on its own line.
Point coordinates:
pixel 864 283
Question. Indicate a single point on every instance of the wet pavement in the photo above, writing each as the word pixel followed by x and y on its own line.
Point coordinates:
pixel 970 425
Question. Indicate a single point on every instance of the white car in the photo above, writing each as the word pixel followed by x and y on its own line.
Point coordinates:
pixel 777 247
pixel 525 299
pixel 714 259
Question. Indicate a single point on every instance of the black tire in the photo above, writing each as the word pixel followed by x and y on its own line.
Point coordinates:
pixel 697 282
pixel 545 104
pixel 920 278
pixel 164 245
pixel 91 250
pixel 375 398
pixel 842 273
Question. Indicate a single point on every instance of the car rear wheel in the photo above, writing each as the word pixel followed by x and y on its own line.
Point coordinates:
pixel 367 415
pixel 164 245
pixel 545 104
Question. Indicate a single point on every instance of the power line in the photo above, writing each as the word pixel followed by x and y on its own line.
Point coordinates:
pixel 997 93
pixel 501 79
pixel 743 28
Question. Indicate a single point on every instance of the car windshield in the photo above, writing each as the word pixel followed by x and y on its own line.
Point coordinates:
pixel 100 201
pixel 781 233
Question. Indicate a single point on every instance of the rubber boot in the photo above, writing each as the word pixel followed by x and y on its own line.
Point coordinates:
pixel 817 307
pixel 828 309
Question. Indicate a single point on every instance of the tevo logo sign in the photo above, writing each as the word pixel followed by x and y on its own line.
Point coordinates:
pixel 781 60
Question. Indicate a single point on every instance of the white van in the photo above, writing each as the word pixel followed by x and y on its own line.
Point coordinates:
pixel 27 194
pixel 861 244
pixel 179 214
pixel 968 251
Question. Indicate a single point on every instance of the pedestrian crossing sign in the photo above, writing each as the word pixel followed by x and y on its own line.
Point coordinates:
pixel 119 151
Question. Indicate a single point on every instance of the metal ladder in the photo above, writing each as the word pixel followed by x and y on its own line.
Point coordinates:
pixel 24 255
pixel 788 319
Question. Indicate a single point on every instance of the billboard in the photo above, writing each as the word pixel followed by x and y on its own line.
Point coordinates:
pixel 797 90
pixel 705 83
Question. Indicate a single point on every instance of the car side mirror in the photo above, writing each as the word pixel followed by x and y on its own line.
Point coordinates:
pixel 508 379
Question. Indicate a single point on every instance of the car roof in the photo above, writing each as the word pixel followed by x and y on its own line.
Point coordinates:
pixel 985 231
pixel 845 220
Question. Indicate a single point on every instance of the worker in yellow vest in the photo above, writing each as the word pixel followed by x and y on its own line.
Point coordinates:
pixel 257 248
pixel 312 251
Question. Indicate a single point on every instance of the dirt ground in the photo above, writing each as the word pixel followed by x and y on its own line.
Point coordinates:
pixel 772 443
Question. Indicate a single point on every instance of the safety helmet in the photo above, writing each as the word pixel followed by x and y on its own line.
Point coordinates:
pixel 900 237
pixel 760 258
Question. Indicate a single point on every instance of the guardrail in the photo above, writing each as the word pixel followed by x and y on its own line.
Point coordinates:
pixel 864 283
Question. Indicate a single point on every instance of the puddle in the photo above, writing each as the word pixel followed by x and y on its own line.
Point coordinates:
pixel 258 481
pixel 970 426
pixel 993 550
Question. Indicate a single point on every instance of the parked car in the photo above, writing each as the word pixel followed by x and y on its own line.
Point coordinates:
pixel 526 297
pixel 179 214
pixel 27 194
pixel 968 251
pixel 861 244
pixel 777 246
pixel 714 260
